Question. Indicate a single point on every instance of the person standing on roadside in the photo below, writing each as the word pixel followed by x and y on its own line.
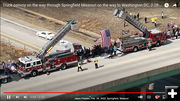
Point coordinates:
pixel 3 68
pixel 111 50
pixel 149 45
pixel 178 31
pixel 124 23
pixel 79 66
pixel 162 14
pixel 176 34
pixel 173 32
pixel 135 17
pixel 3 65
pixel 114 50
pixel 155 24
pixel 96 63
pixel 145 19
pixel 138 16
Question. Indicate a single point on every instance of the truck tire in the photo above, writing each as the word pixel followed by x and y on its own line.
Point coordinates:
pixel 34 73
pixel 63 66
pixel 5 80
pixel 158 44
pixel 135 49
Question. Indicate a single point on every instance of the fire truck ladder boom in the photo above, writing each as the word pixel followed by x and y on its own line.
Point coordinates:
pixel 60 34
pixel 126 16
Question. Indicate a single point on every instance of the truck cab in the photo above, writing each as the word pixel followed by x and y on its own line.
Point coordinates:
pixel 158 37
pixel 29 65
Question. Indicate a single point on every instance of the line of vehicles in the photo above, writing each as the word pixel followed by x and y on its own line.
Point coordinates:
pixel 34 64
pixel 135 43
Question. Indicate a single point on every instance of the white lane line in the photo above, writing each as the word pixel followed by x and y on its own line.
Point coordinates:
pixel 19 24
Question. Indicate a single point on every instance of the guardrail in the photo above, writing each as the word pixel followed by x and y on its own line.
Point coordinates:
pixel 25 44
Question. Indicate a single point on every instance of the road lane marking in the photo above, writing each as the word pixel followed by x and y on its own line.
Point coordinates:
pixel 92 71
pixel 19 24
pixel 20 41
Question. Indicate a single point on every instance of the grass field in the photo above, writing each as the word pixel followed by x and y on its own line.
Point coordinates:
pixel 9 52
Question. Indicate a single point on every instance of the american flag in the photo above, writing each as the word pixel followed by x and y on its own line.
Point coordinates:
pixel 106 38
pixel 98 41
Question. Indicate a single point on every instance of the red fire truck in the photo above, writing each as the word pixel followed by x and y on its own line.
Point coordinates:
pixel 135 43
pixel 158 37
pixel 32 65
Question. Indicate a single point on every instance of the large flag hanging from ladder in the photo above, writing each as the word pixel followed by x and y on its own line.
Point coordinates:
pixel 106 38
pixel 98 41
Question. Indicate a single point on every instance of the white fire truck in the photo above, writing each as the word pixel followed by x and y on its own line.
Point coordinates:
pixel 131 43
pixel 32 65
pixel 135 43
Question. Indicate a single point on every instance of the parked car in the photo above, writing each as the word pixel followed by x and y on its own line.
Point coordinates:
pixel 45 34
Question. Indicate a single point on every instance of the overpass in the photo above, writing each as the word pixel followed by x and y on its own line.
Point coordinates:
pixel 121 72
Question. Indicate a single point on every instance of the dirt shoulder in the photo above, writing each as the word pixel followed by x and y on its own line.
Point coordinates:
pixel 10 52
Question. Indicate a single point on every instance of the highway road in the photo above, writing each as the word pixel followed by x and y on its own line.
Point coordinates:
pixel 70 80
pixel 28 34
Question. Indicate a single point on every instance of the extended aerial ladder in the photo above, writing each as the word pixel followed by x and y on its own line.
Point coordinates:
pixel 126 16
pixel 71 24
pixel 33 62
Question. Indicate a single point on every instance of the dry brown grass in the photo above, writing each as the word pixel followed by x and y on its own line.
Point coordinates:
pixel 10 52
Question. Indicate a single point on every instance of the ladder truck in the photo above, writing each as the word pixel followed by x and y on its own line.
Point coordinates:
pixel 32 65
pixel 135 43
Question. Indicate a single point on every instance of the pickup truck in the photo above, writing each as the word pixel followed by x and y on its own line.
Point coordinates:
pixel 4 78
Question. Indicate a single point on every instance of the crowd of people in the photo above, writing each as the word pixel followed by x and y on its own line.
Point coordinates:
pixel 97 50
pixel 86 53
pixel 173 31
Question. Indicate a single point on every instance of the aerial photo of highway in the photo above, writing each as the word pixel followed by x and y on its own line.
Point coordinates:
pixel 88 50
